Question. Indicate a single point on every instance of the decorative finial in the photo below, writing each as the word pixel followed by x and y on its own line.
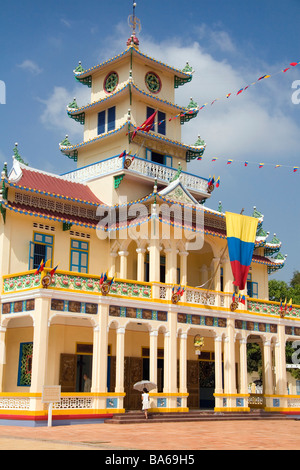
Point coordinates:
pixel 17 156
pixel 135 25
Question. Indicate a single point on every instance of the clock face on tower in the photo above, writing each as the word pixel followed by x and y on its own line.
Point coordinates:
pixel 153 82
pixel 111 82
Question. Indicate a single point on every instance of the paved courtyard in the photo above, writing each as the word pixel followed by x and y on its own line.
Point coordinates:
pixel 230 435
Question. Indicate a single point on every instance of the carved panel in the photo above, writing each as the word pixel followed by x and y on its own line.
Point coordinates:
pixel 133 373
pixel 67 374
pixel 193 384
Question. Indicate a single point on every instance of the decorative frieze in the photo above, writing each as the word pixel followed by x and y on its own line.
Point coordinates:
pixel 201 320
pixel 138 313
pixel 272 308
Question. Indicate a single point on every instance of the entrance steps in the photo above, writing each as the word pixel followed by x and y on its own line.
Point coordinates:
pixel 133 417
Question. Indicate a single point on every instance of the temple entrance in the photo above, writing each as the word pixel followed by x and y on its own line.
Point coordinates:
pixel 84 367
pixel 207 383
pixel 201 382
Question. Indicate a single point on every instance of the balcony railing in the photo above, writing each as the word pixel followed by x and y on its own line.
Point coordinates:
pixel 156 291
pixel 139 166
pixel 84 283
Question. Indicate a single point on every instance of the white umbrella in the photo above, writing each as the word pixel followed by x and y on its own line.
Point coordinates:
pixel 144 384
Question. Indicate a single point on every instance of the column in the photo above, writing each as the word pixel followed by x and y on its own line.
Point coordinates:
pixel 2 356
pixel 40 349
pixel 112 269
pixel 140 264
pixel 183 364
pixel 280 363
pixel 154 266
pixel 170 360
pixel 268 368
pixel 227 274
pixel 100 347
pixel 229 365
pixel 154 261
pixel 215 273
pixel 153 356
pixel 171 265
pixel 218 365
pixel 120 352
pixel 243 366
pixel 40 345
pixel 183 267
pixel 123 264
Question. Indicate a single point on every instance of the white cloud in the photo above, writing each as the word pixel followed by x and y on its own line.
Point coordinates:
pixel 65 23
pixel 216 39
pixel 30 66
pixel 54 115
pixel 255 123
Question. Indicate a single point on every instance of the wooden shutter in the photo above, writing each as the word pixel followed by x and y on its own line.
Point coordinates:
pixel 111 119
pixel 101 122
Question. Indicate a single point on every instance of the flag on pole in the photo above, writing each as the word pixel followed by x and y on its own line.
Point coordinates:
pixel 281 306
pixel 241 234
pixel 40 268
pixel 53 271
pixel 146 126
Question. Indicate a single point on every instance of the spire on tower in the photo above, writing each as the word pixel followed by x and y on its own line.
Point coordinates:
pixel 135 25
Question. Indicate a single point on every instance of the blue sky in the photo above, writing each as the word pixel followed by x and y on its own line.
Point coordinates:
pixel 229 44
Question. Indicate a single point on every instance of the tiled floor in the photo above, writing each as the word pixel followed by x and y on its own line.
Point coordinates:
pixel 235 435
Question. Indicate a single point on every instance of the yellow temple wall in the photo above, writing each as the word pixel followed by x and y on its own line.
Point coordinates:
pixel 97 90
pixel 91 121
pixel 139 71
pixel 20 230
pixel 63 340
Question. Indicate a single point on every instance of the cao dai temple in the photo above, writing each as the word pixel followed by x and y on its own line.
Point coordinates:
pixel 118 270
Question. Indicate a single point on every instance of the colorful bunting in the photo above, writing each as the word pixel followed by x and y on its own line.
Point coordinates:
pixel 260 165
pixel 263 77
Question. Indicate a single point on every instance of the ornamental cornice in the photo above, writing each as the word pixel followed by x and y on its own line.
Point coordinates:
pixel 81 73
pixel 98 103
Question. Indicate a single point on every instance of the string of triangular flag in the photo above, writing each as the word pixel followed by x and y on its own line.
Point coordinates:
pixel 229 161
pixel 263 77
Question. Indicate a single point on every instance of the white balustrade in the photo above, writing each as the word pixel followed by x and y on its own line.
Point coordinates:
pixel 140 166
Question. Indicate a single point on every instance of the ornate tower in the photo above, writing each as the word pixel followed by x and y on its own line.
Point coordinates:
pixel 125 91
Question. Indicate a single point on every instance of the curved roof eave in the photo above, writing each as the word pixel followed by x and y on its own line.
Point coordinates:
pixel 131 50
